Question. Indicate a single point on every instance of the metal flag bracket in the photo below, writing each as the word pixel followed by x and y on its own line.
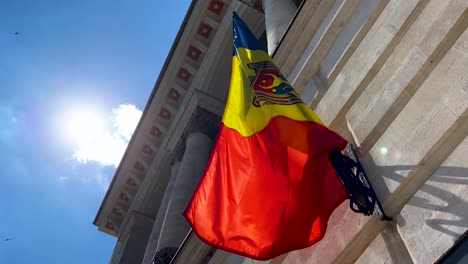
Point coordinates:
pixel 362 196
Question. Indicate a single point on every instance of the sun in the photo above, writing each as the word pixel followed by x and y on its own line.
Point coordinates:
pixel 83 126
pixel 91 135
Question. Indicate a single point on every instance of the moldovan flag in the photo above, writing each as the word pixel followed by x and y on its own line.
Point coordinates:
pixel 269 187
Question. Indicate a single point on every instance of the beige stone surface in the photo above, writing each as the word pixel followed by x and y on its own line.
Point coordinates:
pixel 421 123
pixel 301 33
pixel 379 36
pixel 352 29
pixel 309 63
pixel 377 252
pixel 357 39
pixel 314 42
pixel 404 63
pixel 387 248
pixel 438 214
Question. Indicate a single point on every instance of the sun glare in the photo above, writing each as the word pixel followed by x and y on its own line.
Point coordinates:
pixel 84 127
pixel 96 136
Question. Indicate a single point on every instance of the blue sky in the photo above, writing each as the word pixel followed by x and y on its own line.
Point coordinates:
pixel 72 60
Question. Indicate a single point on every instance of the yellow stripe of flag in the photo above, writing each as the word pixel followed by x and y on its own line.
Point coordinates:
pixel 241 113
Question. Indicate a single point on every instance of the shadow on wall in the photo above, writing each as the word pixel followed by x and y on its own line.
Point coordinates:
pixel 447 201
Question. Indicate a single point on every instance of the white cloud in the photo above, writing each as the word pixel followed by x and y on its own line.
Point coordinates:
pixel 105 144
pixel 125 119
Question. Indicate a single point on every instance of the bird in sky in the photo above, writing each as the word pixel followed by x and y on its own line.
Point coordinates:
pixel 7 239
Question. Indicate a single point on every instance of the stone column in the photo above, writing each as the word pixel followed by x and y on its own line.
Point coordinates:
pixel 117 253
pixel 139 229
pixel 175 227
pixel 278 15
pixel 158 222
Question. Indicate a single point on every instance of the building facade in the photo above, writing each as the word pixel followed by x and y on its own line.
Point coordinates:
pixel 391 76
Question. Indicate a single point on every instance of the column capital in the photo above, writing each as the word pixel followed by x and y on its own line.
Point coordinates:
pixel 257 4
pixel 201 121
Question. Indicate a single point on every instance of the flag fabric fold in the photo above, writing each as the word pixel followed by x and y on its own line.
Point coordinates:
pixel 268 187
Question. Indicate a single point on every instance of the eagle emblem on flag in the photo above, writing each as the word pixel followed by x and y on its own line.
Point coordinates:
pixel 270 86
